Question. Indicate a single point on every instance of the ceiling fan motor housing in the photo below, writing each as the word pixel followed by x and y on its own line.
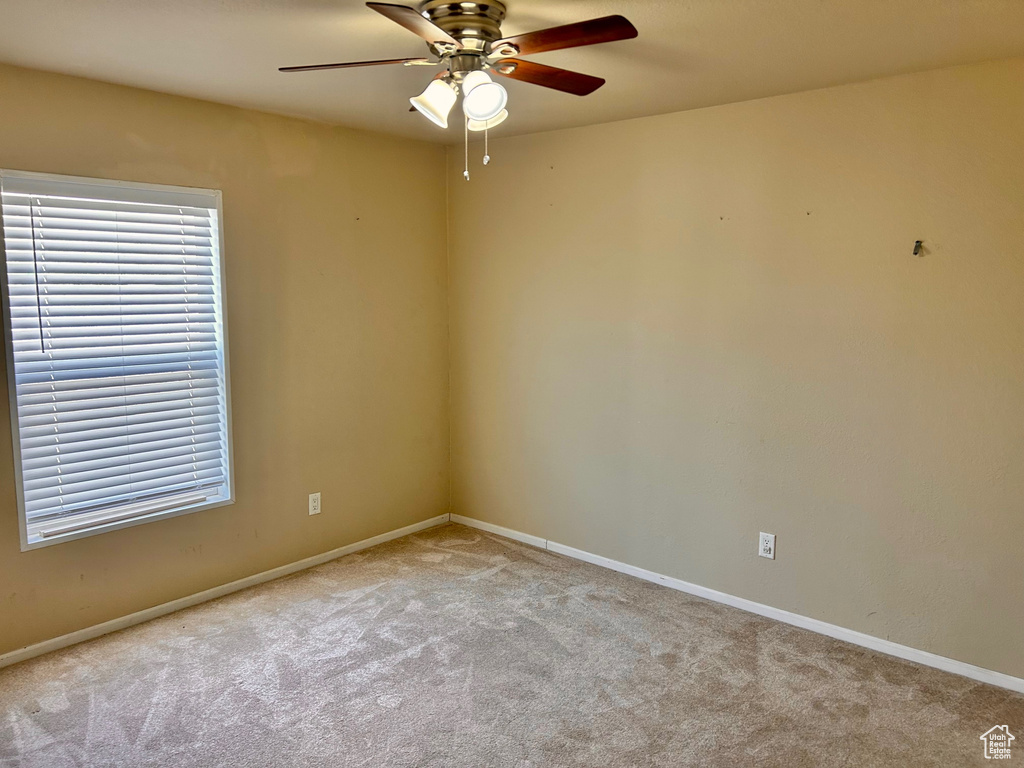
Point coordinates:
pixel 474 24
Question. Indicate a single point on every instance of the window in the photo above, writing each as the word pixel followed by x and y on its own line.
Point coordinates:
pixel 116 353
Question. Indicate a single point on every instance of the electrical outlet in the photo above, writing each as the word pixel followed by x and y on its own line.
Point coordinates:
pixel 765 549
pixel 314 503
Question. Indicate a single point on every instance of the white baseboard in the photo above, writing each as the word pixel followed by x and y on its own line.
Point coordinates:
pixel 508 533
pixel 21 654
pixel 814 625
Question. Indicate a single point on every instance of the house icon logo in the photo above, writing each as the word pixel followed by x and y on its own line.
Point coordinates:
pixel 997 742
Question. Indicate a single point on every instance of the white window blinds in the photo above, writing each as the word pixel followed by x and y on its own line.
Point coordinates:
pixel 116 352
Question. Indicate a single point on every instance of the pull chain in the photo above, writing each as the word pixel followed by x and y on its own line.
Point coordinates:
pixel 465 131
pixel 487 154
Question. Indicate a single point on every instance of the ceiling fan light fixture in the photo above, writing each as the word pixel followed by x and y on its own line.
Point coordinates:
pixel 484 125
pixel 465 38
pixel 483 99
pixel 436 102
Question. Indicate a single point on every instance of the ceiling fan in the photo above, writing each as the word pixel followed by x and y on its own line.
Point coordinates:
pixel 465 38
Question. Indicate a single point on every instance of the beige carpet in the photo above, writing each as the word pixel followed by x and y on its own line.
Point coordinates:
pixel 456 648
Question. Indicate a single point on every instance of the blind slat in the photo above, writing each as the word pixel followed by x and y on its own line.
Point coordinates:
pixel 52 453
pixel 124 489
pixel 96 480
pixel 101 387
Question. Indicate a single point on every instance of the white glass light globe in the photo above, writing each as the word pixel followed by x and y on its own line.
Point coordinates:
pixel 483 125
pixel 436 101
pixel 483 99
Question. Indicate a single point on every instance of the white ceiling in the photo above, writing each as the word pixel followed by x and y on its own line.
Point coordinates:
pixel 690 53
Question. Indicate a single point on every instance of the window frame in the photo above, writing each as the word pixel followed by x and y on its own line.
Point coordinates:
pixel 126 187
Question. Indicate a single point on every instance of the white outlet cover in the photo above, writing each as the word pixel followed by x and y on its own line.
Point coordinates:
pixel 766 545
pixel 314 503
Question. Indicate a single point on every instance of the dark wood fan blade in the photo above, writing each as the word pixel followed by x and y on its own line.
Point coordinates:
pixel 549 77
pixel 346 64
pixel 607 29
pixel 415 22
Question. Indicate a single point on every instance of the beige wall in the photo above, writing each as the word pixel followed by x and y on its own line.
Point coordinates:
pixel 335 271
pixel 671 333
